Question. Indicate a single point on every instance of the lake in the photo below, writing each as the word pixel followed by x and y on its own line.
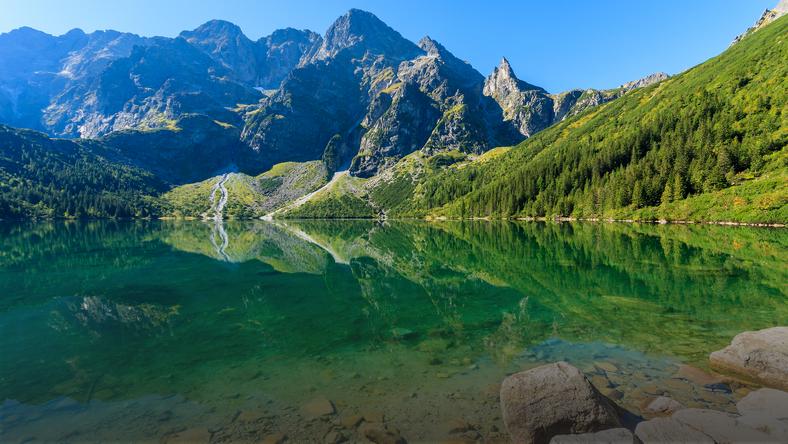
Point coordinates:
pixel 165 330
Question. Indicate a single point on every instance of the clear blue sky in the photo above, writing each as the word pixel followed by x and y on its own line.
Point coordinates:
pixel 557 44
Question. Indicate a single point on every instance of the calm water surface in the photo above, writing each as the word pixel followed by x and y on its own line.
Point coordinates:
pixel 157 331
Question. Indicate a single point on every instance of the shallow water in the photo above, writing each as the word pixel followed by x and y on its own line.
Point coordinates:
pixel 152 331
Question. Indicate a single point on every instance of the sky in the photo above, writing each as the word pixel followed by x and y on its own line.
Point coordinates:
pixel 556 44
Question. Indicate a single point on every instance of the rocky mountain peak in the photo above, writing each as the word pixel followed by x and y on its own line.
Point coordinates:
pixel 358 27
pixel 214 28
pixel 430 46
pixel 767 17
pixel 502 83
pixel 504 68
pixel 645 81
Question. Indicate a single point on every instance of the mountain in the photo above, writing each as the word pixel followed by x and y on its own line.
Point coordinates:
pixel 767 17
pixel 362 94
pixel 708 144
pixel 532 109
pixel 264 63
pixel 88 85
pixel 329 92
pixel 37 67
pixel 43 177
pixel 150 88
pixel 362 122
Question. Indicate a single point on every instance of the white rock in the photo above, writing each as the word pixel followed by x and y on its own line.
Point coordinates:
pixel 760 356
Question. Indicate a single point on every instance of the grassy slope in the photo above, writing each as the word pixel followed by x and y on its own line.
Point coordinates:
pixel 707 145
pixel 345 198
pixel 249 197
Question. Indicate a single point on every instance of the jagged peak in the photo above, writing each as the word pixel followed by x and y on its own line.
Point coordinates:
pixel 290 34
pixel 357 26
pixel 357 22
pixel 215 27
pixel 645 81
pixel 430 46
pixel 504 72
pixel 505 65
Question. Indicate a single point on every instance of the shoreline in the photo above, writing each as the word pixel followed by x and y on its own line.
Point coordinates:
pixel 425 219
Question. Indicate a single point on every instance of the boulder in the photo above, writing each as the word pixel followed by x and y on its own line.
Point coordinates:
pixel 766 410
pixel 669 430
pixel 554 399
pixel 611 436
pixel 760 356
pixel 664 406
pixel 765 402
pixel 721 427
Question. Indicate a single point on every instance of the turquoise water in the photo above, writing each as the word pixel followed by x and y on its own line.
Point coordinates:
pixel 157 331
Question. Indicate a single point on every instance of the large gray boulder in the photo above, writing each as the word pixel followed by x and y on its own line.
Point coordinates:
pixel 554 399
pixel 766 410
pixel 760 356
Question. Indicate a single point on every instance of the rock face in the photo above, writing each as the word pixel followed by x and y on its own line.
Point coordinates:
pixel 264 63
pixel 551 400
pixel 330 91
pixel 532 109
pixel 645 81
pixel 529 107
pixel 760 356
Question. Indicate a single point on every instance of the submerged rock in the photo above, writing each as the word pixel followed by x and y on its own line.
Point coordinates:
pixel 381 434
pixel 664 406
pixel 760 356
pixel 318 407
pixel 611 436
pixel 191 436
pixel 551 400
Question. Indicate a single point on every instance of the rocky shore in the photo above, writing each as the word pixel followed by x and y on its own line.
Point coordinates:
pixel 556 403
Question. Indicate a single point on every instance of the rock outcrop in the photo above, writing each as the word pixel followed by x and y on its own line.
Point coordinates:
pixel 760 356
pixel 645 81
pixel 531 109
pixel 551 400
pixel 767 17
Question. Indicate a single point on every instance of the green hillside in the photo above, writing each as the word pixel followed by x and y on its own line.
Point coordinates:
pixel 708 144
pixel 43 177
pixel 248 196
